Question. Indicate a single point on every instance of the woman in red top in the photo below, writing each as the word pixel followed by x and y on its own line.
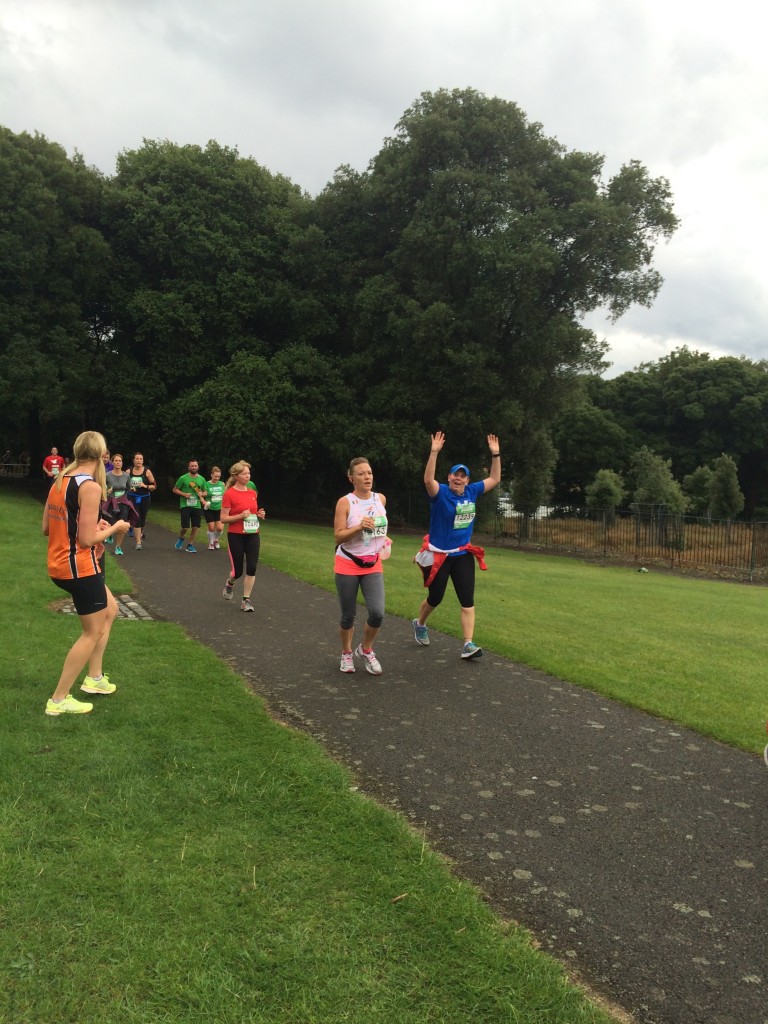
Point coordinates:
pixel 76 534
pixel 240 511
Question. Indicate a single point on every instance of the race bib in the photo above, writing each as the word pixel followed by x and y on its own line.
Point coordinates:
pixel 135 482
pixel 251 524
pixel 465 514
pixel 193 501
pixel 55 470
pixel 379 528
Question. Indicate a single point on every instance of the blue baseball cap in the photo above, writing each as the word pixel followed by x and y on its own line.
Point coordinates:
pixel 458 466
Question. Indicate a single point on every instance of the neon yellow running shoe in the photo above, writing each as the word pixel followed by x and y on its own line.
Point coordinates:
pixel 103 685
pixel 68 706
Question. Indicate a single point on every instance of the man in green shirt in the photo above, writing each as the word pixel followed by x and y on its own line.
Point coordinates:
pixel 192 498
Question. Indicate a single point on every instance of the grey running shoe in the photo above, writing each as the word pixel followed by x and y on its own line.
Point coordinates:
pixel 369 658
pixel 471 650
pixel 228 591
pixel 420 633
pixel 246 606
pixel 347 662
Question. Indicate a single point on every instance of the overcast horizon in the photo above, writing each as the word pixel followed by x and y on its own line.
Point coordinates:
pixel 305 88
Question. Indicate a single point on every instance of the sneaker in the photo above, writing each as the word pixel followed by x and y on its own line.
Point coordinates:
pixel 216 545
pixel 68 706
pixel 420 633
pixel 179 544
pixel 130 531
pixel 109 540
pixel 246 606
pixel 118 551
pixel 371 662
pixel 471 650
pixel 347 662
pixel 211 546
pixel 191 549
pixel 138 546
pixel 228 591
pixel 103 685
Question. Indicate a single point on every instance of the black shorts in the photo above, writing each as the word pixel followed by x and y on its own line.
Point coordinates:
pixel 189 517
pixel 212 515
pixel 89 593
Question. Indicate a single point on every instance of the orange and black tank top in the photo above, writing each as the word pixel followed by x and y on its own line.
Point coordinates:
pixel 67 558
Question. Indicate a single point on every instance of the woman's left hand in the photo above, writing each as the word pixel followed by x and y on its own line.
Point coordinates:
pixel 261 513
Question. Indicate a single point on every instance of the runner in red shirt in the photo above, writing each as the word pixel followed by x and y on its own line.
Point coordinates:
pixel 53 464
pixel 241 513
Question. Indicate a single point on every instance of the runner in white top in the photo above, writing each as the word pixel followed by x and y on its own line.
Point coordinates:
pixel 360 531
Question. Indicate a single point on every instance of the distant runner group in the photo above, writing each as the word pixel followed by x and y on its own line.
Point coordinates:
pixel 94 501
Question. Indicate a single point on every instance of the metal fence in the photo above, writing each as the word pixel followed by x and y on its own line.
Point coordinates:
pixel 14 470
pixel 643 535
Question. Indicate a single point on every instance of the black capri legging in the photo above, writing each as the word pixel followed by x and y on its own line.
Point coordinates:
pixel 142 506
pixel 461 570
pixel 243 547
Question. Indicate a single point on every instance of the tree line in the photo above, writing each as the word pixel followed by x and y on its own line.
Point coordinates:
pixel 704 419
pixel 196 304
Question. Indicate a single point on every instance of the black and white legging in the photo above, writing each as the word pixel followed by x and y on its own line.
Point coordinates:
pixel 372 586
pixel 243 547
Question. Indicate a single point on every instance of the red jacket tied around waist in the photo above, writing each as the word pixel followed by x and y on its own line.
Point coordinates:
pixel 440 557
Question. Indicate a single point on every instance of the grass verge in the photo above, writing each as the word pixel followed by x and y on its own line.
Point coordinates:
pixel 177 856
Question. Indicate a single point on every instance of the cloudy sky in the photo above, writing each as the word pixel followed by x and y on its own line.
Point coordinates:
pixel 304 86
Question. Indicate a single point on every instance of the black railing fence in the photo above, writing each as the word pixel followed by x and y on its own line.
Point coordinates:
pixel 643 534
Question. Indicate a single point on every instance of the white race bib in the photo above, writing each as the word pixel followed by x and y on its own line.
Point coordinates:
pixel 251 524
pixel 465 514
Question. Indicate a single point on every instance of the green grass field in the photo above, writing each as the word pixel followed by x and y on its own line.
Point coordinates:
pixel 691 650
pixel 177 856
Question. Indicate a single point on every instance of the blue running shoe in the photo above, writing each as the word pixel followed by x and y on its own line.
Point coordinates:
pixel 420 633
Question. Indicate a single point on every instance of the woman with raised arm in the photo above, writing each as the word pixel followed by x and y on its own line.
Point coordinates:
pixel 447 551
pixel 76 535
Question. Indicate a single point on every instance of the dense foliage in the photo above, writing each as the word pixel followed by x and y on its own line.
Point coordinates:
pixel 688 409
pixel 196 303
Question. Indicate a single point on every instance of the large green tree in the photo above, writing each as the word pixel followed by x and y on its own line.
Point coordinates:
pixel 469 251
pixel 215 258
pixel 55 264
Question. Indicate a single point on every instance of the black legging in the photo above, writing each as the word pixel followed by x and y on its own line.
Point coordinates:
pixel 243 547
pixel 142 505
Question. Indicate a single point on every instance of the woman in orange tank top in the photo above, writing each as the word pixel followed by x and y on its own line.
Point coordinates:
pixel 76 533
